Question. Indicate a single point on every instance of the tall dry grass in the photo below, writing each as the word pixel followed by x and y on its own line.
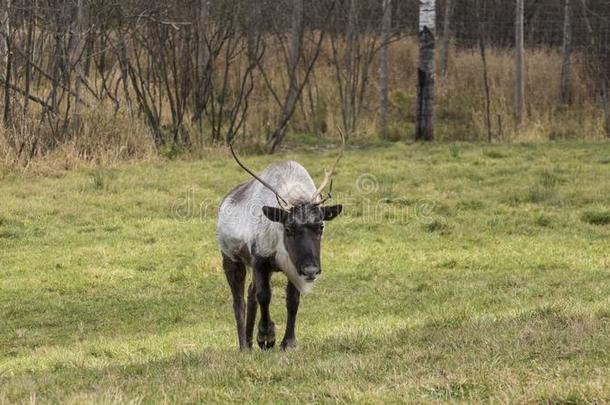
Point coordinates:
pixel 104 138
pixel 547 119
pixel 108 137
pixel 460 98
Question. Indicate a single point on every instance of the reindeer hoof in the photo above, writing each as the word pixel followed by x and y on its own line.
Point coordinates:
pixel 288 344
pixel 266 336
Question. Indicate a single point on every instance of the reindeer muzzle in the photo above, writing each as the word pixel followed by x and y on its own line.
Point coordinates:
pixel 311 273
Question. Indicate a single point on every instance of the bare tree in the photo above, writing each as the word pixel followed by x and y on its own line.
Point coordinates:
pixel 4 29
pixel 519 64
pixel 187 69
pixel 598 58
pixel 386 26
pixel 77 50
pixel 294 56
pixel 446 36
pixel 606 102
pixel 203 66
pixel 482 31
pixel 424 129
pixel 350 80
pixel 228 104
pixel 8 60
pixel 353 52
pixel 566 55
pixel 29 56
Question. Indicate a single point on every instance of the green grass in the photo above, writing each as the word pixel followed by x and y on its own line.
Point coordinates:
pixel 458 272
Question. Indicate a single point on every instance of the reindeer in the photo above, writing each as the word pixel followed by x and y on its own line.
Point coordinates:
pixel 272 223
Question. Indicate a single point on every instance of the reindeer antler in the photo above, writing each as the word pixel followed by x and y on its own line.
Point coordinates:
pixel 328 174
pixel 280 200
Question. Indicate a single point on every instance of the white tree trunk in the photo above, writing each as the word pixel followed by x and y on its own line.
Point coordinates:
pixel 424 129
pixel 386 25
pixel 519 64
pixel 566 55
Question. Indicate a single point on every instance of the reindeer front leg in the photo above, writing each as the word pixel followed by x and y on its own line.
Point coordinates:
pixel 266 327
pixel 293 297
pixel 251 309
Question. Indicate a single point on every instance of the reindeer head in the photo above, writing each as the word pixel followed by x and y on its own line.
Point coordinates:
pixel 303 227
pixel 302 221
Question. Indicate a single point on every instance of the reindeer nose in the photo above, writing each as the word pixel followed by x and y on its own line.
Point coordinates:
pixel 311 272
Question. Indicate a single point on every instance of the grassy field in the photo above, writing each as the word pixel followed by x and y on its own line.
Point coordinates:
pixel 457 272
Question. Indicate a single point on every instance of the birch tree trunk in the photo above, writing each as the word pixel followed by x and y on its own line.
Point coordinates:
pixel 446 35
pixel 384 68
pixel 424 129
pixel 519 64
pixel 566 55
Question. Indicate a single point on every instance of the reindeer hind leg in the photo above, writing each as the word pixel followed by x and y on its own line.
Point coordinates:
pixel 236 277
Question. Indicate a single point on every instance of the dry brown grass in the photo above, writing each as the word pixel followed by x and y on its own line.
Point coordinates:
pixel 107 137
pixel 460 113
pixel 461 97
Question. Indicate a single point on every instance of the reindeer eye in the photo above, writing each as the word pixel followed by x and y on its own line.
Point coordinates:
pixel 292 230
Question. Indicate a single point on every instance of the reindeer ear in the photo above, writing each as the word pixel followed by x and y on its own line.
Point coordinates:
pixel 332 212
pixel 275 214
